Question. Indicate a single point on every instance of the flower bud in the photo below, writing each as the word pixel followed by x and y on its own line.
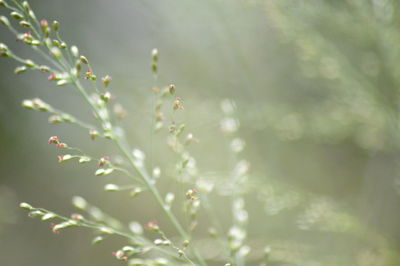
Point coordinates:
pixel 97 239
pixel 93 133
pixel 53 140
pixel 16 15
pixel 28 104
pixel 79 202
pixel 178 104
pixel 154 67
pixel 44 68
pixel 45 27
pixel 106 80
pixel 111 187
pixel 56 43
pixel 63 45
pixel 35 43
pixel 54 119
pixel 32 15
pixel 56 25
pixel 39 104
pixel 25 205
pixel 84 159
pixel 56 52
pixel 4 21
pixel 62 82
pixel 99 172
pixel 64 158
pixel 171 89
pixel 74 51
pixel 158 242
pixel 4 50
pixel 48 216
pixel 108 171
pixel 186 243
pixel 154 55
pixel 106 97
pixel 25 5
pixel 180 252
pixel 25 24
pixel 20 69
pixel 29 63
pixel 3 47
pixel 76 217
pixel 84 59
pixel 136 192
pixel 3 4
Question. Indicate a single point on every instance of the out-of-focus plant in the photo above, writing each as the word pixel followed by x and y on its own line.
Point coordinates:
pixel 66 66
pixel 346 54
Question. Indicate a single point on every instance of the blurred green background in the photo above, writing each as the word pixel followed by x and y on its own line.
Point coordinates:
pixel 316 85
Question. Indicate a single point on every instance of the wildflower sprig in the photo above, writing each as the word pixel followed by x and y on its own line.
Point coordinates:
pixel 66 66
pixel 140 245
pixel 64 72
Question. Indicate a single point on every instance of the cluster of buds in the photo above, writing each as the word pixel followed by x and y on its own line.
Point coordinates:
pixel 120 255
pixel 192 207
pixel 59 118
pixel 104 161
pixel 190 194
pixel 106 97
pixel 57 227
pixel 61 78
pixel 45 27
pixel 162 242
pixel 178 104
pixel 152 226
pixel 126 252
pixel 28 39
pixel 36 104
pixel 56 140
pixel 89 74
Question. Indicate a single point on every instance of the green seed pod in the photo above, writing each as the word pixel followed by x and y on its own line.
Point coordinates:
pixel 35 43
pixel 4 21
pixel 32 15
pixel 20 69
pixel 3 47
pixel 154 55
pixel 25 205
pixel 62 82
pixel 17 15
pixel 84 60
pixel 56 52
pixel 56 43
pixel 74 51
pixel 3 4
pixel 56 25
pixel 26 6
pixel 25 24
pixel 29 63
pixel 44 68
pixel 171 89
